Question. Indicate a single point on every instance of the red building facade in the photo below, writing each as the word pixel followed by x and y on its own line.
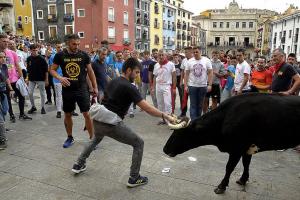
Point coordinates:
pixel 111 20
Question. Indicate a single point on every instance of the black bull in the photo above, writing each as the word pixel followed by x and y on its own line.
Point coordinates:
pixel 269 121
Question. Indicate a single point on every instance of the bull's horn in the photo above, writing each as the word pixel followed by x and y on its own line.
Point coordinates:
pixel 184 123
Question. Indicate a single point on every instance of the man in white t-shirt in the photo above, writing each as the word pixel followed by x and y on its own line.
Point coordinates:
pixel 188 51
pixel 242 73
pixel 197 74
pixel 164 80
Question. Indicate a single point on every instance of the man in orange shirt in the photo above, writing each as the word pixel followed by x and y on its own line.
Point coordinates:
pixel 261 78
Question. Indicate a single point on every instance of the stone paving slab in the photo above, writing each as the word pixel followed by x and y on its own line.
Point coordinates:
pixel 35 166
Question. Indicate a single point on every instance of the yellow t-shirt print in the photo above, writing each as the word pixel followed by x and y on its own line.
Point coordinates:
pixel 73 70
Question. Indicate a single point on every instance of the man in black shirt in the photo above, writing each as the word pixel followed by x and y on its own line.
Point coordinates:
pixel 75 65
pixel 151 76
pixel 37 69
pixel 118 96
pixel 99 67
pixel 283 75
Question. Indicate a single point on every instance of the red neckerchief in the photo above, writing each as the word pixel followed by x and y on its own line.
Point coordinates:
pixel 163 63
pixel 278 66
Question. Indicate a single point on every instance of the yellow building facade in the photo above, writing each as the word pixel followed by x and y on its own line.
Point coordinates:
pixel 156 24
pixel 23 17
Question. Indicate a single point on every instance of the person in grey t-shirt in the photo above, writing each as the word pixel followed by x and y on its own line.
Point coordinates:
pixel 218 73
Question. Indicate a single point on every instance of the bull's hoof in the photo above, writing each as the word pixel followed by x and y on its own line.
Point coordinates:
pixel 241 182
pixel 220 190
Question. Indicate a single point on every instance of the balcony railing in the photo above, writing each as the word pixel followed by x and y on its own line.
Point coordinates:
pixel 126 41
pixel 19 25
pixel 156 25
pixel 52 18
pixel 69 17
pixel 111 40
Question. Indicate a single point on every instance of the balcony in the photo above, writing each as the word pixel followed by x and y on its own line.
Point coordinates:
pixel 156 25
pixel 170 43
pixel 111 40
pixel 183 27
pixel 178 37
pixel 69 17
pixel 52 18
pixel 183 37
pixel 19 25
pixel 156 9
pixel 146 21
pixel 138 20
pixel 126 41
pixel 178 25
pixel 173 28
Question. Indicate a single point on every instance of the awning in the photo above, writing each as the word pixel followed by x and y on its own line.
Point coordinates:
pixel 119 47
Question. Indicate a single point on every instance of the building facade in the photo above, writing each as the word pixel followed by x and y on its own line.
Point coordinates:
pixel 115 23
pixel 23 17
pixel 53 19
pixel 7 18
pixel 264 35
pixel 156 24
pixel 184 23
pixel 142 22
pixel 169 27
pixel 86 19
pixel 232 27
pixel 285 32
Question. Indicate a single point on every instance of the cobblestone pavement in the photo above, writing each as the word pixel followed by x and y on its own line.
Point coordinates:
pixel 35 166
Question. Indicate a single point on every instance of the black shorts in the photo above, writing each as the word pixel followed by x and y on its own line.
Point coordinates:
pixel 70 98
pixel 215 92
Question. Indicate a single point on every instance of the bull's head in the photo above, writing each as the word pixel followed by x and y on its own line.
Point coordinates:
pixel 182 139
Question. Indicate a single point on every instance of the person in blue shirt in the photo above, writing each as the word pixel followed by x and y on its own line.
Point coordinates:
pixel 119 63
pixel 57 84
pixel 227 92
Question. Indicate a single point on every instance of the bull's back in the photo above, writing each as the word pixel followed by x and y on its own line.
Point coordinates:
pixel 268 120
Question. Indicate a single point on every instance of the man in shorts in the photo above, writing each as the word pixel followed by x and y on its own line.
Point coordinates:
pixel 75 65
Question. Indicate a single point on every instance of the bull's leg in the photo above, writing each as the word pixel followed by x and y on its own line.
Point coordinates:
pixel 245 176
pixel 231 164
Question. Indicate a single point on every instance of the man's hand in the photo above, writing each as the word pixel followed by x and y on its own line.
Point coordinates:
pixel 186 89
pixel 174 91
pixel 209 88
pixel 95 92
pixel 239 92
pixel 64 81
pixel 46 83
pixel 11 93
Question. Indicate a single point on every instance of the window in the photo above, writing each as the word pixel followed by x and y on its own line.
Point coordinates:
pixel 52 9
pixel 237 25
pixel 290 33
pixel 284 22
pixel 111 14
pixel 138 33
pixel 68 8
pixel 81 34
pixel 53 31
pixel 244 25
pixel 26 20
pixel 41 35
pixel 23 2
pixel 81 12
pixel 126 18
pixel 227 24
pixel 183 14
pixel 214 24
pixel 125 2
pixel 221 24
pixel 126 34
pixel 69 29
pixel 39 14
pixel 250 24
pixel 111 32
